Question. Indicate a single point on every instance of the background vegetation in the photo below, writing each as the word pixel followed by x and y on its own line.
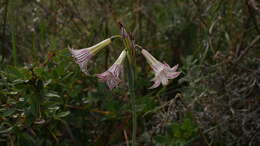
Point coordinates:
pixel 46 100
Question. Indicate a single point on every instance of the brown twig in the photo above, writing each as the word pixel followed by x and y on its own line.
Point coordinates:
pixel 197 4
pixel 4 29
pixel 254 4
pixel 126 138
pixel 247 49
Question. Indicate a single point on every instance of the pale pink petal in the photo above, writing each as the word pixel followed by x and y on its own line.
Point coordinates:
pixel 150 59
pixel 84 68
pixel 103 75
pixel 164 81
pixel 155 85
pixel 154 79
pixel 173 75
pixel 116 69
pixel 163 72
pixel 166 65
pixel 111 80
pixel 158 67
pixel 175 67
pixel 111 76
pixel 113 83
pixel 81 57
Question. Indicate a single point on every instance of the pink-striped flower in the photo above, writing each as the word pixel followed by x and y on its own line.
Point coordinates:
pixel 83 56
pixel 111 76
pixel 163 72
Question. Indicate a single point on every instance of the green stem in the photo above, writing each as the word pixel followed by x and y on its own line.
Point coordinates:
pixel 131 83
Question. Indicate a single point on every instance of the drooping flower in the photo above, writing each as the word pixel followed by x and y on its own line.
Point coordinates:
pixel 163 72
pixel 111 76
pixel 83 56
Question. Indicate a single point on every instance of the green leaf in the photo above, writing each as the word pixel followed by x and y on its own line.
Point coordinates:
pixel 163 139
pixel 63 114
pixel 6 130
pixel 8 112
pixel 52 95
pixel 45 84
pixel 20 81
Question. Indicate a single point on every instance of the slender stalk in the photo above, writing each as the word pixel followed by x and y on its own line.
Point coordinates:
pixel 131 71
pixel 14 50
pixel 131 82
pixel 4 30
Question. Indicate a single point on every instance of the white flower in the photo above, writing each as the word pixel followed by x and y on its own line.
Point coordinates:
pixel 83 56
pixel 111 76
pixel 163 72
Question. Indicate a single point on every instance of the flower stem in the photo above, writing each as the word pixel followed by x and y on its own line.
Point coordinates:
pixel 115 36
pixel 131 71
pixel 131 83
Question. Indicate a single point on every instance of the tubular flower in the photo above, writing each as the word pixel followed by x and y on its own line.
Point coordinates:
pixel 163 72
pixel 111 76
pixel 83 56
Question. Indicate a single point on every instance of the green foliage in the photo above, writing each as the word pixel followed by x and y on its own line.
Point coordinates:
pixel 179 133
pixel 46 100
pixel 45 103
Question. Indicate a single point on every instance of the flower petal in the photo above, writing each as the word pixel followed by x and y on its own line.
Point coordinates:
pixel 173 75
pixel 150 59
pixel 82 56
pixel 111 76
pixel 175 67
pixel 112 83
pixel 163 72
pixel 155 85
pixel 164 81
